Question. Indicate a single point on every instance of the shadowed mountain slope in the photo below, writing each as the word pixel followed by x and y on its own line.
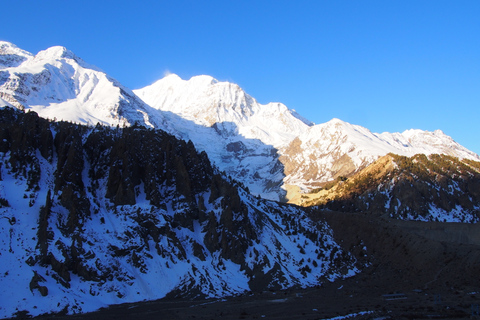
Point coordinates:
pixel 93 216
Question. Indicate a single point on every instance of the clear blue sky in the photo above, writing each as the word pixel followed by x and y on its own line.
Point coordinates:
pixel 386 65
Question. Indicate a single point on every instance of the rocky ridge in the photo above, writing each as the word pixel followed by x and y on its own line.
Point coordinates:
pixel 423 188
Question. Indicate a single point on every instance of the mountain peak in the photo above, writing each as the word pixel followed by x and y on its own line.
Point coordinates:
pixel 174 78
pixel 204 79
pixel 171 76
pixel 205 100
pixel 58 84
pixel 9 48
pixel 335 121
pixel 11 55
pixel 56 52
pixel 337 125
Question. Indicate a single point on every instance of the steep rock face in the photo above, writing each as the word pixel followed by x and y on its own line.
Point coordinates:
pixel 433 188
pixel 92 216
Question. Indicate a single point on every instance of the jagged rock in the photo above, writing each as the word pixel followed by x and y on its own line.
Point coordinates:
pixel 60 268
pixel 34 284
pixel 198 251
pixel 42 230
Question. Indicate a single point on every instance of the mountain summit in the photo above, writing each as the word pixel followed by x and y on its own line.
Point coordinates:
pixel 207 101
pixel 59 85
pixel 11 55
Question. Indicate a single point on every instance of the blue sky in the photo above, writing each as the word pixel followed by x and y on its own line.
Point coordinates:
pixel 385 65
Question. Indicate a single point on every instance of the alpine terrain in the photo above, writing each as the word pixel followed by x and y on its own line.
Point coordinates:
pixel 272 149
pixel 191 189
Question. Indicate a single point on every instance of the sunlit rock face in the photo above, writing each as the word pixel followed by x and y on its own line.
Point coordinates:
pixel 422 188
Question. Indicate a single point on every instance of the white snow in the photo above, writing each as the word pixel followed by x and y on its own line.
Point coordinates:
pixel 266 130
pixel 58 85
pixel 11 55
pixel 323 144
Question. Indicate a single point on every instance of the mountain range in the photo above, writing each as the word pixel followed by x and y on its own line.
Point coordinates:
pixel 274 151
pixel 181 189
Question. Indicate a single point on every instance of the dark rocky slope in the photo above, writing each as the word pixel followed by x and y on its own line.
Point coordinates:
pixel 433 266
pixel 92 216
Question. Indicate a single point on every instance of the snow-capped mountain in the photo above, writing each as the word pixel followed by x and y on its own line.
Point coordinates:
pixel 337 148
pixel 269 148
pixel 59 85
pixel 239 134
pixel 206 101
